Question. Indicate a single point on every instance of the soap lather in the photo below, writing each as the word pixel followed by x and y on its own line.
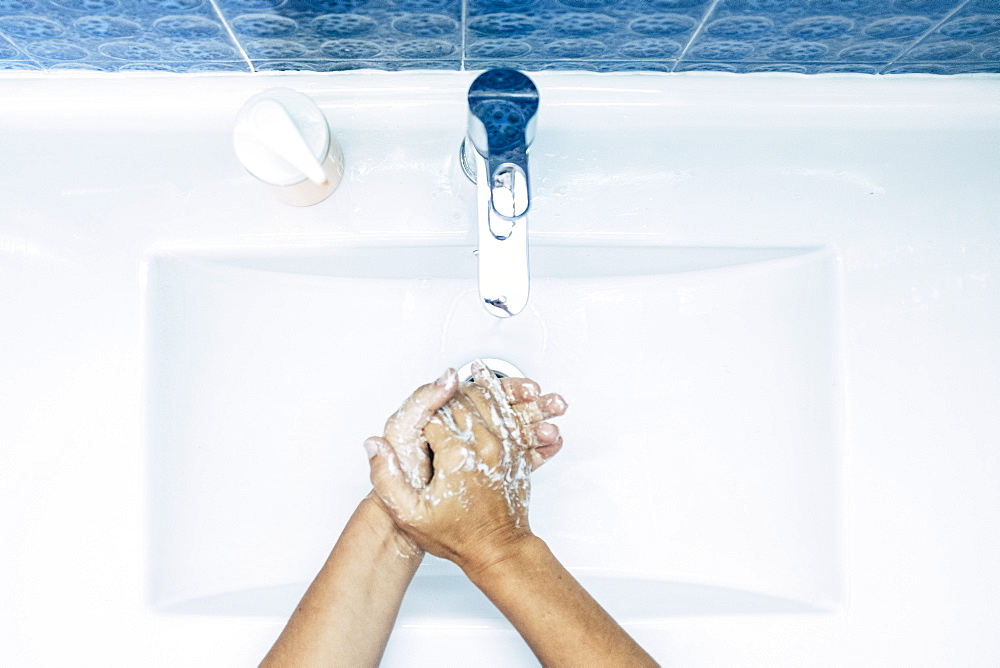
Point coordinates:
pixel 283 139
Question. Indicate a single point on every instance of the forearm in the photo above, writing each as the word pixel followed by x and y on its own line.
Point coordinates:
pixel 346 615
pixel 560 621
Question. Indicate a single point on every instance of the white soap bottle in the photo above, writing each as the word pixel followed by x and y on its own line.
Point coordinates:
pixel 283 139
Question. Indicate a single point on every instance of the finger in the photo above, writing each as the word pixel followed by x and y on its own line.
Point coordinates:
pixel 388 479
pixel 411 451
pixel 530 412
pixel 552 405
pixel 548 406
pixel 453 451
pixel 544 453
pixel 520 390
pixel 535 460
pixel 458 432
pixel 420 406
pixel 476 398
pixel 505 422
pixel 450 421
pixel 499 412
pixel 404 429
pixel 546 433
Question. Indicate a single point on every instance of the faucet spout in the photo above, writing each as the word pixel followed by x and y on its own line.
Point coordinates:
pixel 501 127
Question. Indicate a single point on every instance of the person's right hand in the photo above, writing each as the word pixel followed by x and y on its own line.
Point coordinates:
pixel 404 430
pixel 485 441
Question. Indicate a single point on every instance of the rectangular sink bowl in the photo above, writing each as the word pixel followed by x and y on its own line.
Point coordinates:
pixel 700 471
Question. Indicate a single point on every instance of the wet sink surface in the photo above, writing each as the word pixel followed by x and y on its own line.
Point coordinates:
pixel 704 413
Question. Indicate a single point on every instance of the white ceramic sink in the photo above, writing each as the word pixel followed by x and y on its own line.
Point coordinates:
pixel 705 415
pixel 257 374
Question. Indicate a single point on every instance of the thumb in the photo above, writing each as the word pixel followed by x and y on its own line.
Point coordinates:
pixel 388 478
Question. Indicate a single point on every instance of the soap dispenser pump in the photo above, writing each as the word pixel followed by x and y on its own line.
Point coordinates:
pixel 283 139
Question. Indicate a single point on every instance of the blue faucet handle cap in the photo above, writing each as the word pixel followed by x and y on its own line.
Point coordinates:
pixel 505 102
pixel 505 83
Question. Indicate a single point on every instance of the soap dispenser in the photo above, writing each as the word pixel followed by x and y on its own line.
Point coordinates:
pixel 283 139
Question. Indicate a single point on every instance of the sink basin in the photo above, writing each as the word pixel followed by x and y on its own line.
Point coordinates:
pixel 700 472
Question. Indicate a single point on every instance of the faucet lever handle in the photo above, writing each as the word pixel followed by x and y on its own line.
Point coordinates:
pixel 502 107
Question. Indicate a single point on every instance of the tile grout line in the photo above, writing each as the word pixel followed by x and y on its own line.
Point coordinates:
pixel 697 31
pixel 232 35
pixel 927 34
pixel 463 21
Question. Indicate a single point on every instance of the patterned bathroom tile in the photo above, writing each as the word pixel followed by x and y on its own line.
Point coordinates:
pixel 967 41
pixel 611 35
pixel 13 58
pixel 811 36
pixel 347 34
pixel 739 36
pixel 168 35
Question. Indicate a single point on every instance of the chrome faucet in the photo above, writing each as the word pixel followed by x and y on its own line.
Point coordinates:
pixel 501 127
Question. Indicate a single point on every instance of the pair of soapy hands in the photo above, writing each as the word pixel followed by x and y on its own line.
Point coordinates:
pixel 452 469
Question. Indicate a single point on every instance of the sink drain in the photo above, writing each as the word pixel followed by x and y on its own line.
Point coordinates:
pixel 500 369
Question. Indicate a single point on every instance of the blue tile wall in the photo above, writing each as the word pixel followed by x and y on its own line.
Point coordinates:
pixel 808 36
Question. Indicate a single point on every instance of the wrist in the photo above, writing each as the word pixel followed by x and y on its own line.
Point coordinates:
pixel 513 553
pixel 380 522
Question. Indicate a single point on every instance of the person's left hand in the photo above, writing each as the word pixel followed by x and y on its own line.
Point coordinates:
pixel 404 430
pixel 474 508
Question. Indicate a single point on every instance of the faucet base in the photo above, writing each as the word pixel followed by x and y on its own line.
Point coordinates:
pixel 467 159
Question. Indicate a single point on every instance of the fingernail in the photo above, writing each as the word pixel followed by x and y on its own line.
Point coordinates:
pixel 546 431
pixel 554 404
pixel 371 447
pixel 445 378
